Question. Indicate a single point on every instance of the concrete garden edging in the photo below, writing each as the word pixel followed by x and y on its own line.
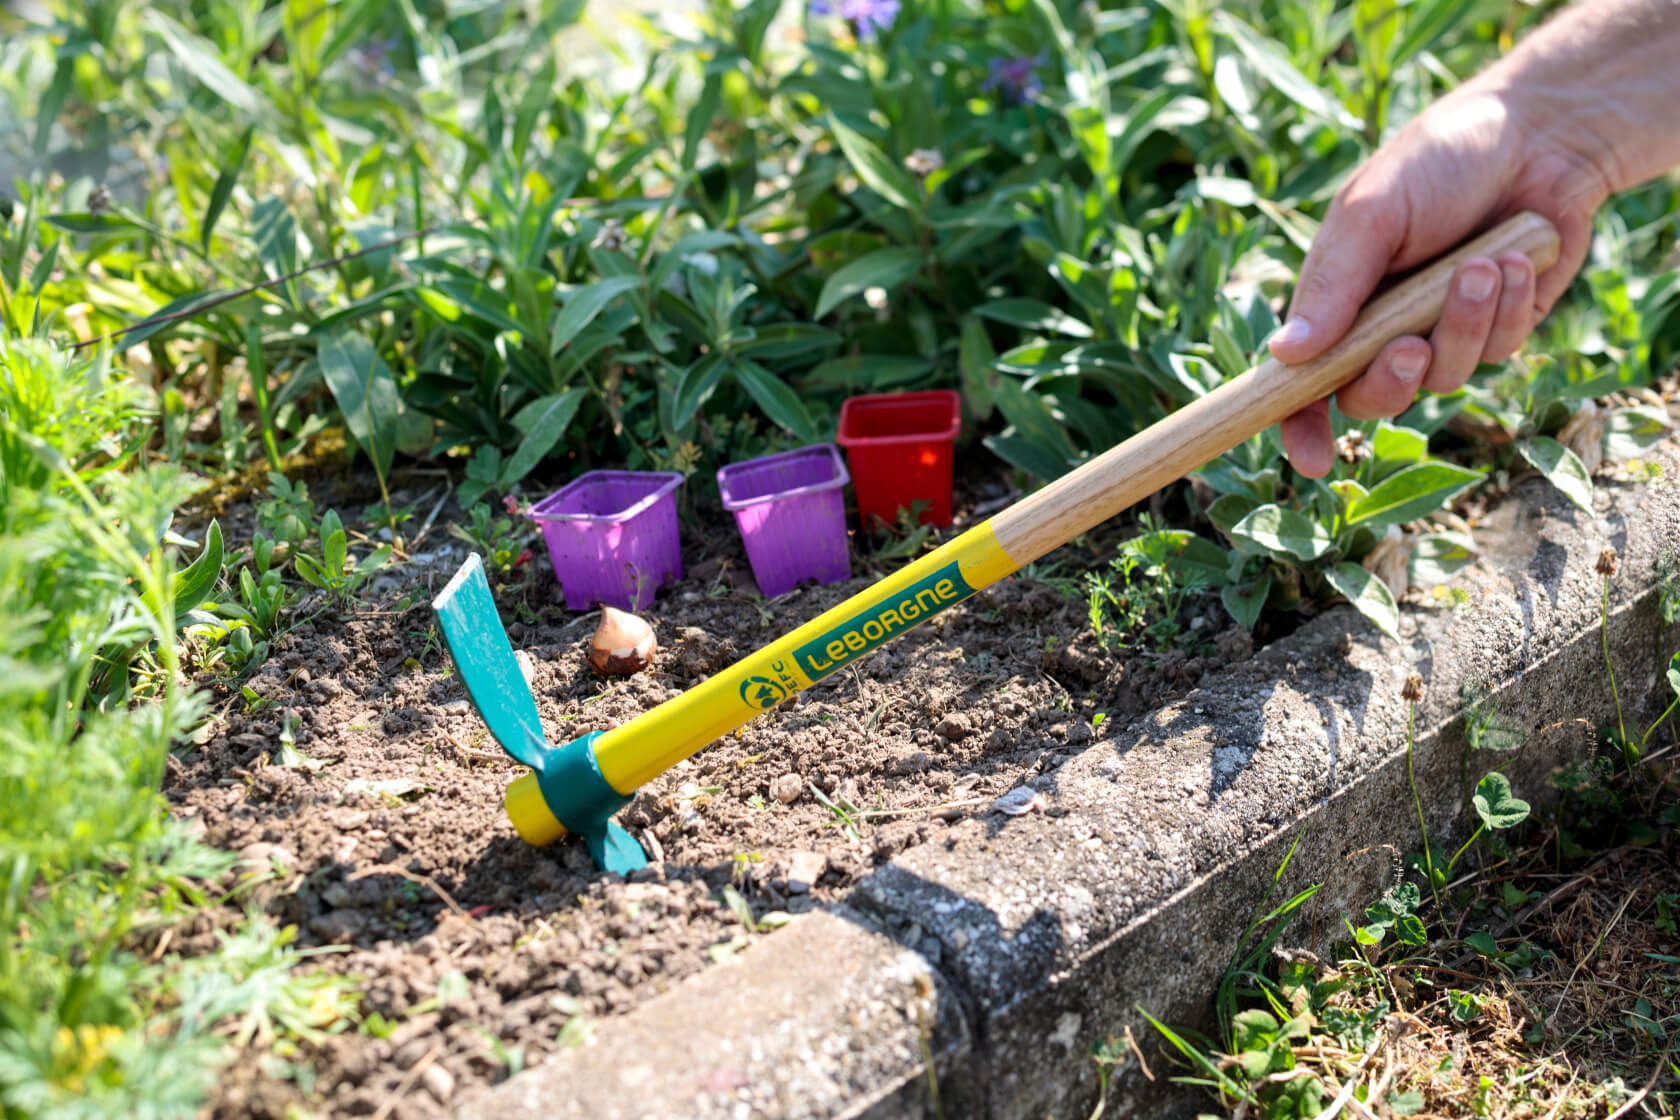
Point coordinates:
pixel 1004 949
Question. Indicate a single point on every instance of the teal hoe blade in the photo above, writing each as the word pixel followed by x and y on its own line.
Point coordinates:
pixel 571 784
pixel 484 657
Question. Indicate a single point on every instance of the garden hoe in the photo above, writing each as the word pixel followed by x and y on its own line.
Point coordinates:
pixel 579 786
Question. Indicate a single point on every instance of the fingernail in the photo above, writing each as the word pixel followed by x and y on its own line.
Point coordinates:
pixel 1476 285
pixel 1294 332
pixel 1408 365
pixel 1513 275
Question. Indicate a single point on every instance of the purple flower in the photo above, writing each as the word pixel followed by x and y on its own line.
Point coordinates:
pixel 867 17
pixel 1016 78
pixel 376 56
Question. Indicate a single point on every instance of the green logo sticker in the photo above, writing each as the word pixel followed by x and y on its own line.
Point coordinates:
pixel 762 693
pixel 874 625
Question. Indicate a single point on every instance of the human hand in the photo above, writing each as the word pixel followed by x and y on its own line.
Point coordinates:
pixel 1474 158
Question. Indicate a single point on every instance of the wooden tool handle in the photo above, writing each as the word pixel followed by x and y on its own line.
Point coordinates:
pixel 1247 405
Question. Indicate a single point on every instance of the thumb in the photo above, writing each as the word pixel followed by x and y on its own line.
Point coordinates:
pixel 1355 246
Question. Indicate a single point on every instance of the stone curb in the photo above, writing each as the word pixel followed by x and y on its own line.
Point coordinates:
pixel 1007 948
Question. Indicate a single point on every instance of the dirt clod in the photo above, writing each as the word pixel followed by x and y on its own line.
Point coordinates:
pixel 787 788
pixel 955 727
pixel 439 1082
pixel 804 869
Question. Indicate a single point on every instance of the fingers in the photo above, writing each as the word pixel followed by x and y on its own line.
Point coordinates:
pixel 1466 320
pixel 1515 317
pixel 1488 312
pixel 1350 254
pixel 1306 440
pixel 1389 385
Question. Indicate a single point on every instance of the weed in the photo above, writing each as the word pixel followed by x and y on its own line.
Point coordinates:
pixel 500 540
pixel 335 571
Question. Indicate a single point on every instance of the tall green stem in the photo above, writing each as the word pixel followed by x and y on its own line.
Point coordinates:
pixel 1604 644
pixel 1417 803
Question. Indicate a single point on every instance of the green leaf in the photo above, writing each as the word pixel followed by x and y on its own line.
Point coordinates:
pixel 223 190
pixel 694 387
pixel 1561 467
pixel 1253 1029
pixel 1229 509
pixel 1024 454
pixel 366 393
pixel 978 363
pixel 1436 557
pixel 1034 315
pixel 1674 673
pixel 1495 803
pixel 1245 604
pixel 1394 447
pixel 1232 359
pixel 451 302
pixel 583 305
pixel 1426 22
pixel 1411 1101
pixel 1271 63
pixel 1414 492
pixel 202 61
pixel 1275 531
pixel 1137 126
pixel 777 400
pixel 1629 431
pixel 52 101
pixel 1196 561
pixel 1030 415
pixel 1409 929
pixel 1482 941
pixel 274 229
pixel 1369 595
pixel 194 583
pixel 864 372
pixel 1349 491
pixel 883 176
pixel 740 908
pixel 90 223
pixel 1230 191
pixel 543 422
pixel 700 116
pixel 781 341
pixel 884 268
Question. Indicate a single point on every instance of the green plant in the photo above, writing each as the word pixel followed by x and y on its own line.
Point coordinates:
pixel 501 540
pixel 93 1011
pixel 336 571
pixel 1157 571
pixel 907 537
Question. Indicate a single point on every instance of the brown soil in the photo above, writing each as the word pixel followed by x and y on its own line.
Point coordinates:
pixel 389 842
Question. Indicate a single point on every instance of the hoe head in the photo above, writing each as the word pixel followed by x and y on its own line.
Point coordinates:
pixel 565 792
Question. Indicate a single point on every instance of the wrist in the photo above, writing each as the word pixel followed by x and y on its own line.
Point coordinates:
pixel 1596 87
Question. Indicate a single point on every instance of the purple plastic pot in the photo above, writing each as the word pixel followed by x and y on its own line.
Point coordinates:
pixel 612 537
pixel 791 511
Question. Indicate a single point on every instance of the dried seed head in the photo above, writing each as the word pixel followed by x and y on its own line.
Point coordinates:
pixel 924 161
pixel 610 237
pixel 1412 691
pixel 1353 447
pixel 1606 565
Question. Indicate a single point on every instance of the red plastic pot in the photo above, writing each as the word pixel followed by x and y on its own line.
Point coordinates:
pixel 899 448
